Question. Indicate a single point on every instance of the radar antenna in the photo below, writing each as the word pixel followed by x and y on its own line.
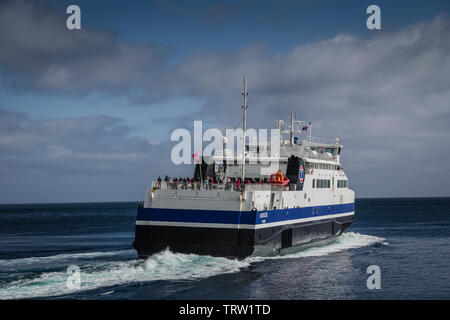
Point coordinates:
pixel 244 127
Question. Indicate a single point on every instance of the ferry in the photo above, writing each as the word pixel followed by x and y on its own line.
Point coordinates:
pixel 232 208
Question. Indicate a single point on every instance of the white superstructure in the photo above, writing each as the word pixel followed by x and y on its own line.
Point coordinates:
pixel 234 208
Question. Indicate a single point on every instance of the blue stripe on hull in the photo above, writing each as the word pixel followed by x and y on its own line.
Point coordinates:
pixel 236 217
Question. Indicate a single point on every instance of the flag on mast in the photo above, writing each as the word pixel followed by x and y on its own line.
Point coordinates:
pixel 196 157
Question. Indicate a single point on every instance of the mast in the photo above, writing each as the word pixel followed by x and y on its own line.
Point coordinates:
pixel 291 132
pixel 244 127
pixel 310 131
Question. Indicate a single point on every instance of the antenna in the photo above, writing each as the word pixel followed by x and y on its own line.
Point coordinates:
pixel 244 127
pixel 310 131
pixel 291 131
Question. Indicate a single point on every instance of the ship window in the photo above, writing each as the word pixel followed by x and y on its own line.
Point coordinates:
pixel 322 183
pixel 342 183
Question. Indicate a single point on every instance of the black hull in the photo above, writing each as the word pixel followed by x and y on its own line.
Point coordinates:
pixel 236 243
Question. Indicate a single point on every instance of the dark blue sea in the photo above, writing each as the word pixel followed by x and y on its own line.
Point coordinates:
pixel 408 239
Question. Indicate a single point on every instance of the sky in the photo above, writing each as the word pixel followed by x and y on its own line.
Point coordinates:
pixel 86 115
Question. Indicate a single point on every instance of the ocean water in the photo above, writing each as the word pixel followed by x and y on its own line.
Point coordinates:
pixel 408 239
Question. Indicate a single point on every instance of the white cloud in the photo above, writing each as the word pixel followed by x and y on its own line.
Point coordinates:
pixel 387 97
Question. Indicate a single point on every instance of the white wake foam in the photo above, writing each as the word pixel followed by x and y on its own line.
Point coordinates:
pixel 32 262
pixel 162 266
pixel 346 241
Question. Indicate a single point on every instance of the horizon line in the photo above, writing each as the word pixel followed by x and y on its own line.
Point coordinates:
pixel 137 201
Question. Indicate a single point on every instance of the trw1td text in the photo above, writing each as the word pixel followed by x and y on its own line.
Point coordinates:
pixel 257 309
pixel 227 309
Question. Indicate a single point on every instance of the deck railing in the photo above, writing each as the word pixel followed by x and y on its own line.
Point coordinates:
pixel 320 156
pixel 322 140
pixel 193 185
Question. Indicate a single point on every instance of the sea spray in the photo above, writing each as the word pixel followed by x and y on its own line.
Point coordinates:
pixel 60 259
pixel 346 241
pixel 165 265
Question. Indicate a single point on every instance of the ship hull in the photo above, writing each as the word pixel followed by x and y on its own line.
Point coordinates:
pixel 241 240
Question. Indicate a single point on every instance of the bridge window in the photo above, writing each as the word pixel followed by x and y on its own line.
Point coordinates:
pixel 321 183
pixel 342 183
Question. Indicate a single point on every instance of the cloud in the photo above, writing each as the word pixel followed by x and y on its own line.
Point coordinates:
pixel 40 53
pixel 386 96
pixel 42 157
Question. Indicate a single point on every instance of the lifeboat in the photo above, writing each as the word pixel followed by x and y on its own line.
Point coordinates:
pixel 278 178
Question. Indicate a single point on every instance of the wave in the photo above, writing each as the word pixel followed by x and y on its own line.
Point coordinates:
pixel 165 265
pixel 346 241
pixel 36 262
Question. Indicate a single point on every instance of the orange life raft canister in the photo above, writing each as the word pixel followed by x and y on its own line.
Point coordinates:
pixel 278 178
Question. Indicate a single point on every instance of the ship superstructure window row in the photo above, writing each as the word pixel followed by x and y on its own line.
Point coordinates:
pixel 342 183
pixel 322 166
pixel 321 183
pixel 332 151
